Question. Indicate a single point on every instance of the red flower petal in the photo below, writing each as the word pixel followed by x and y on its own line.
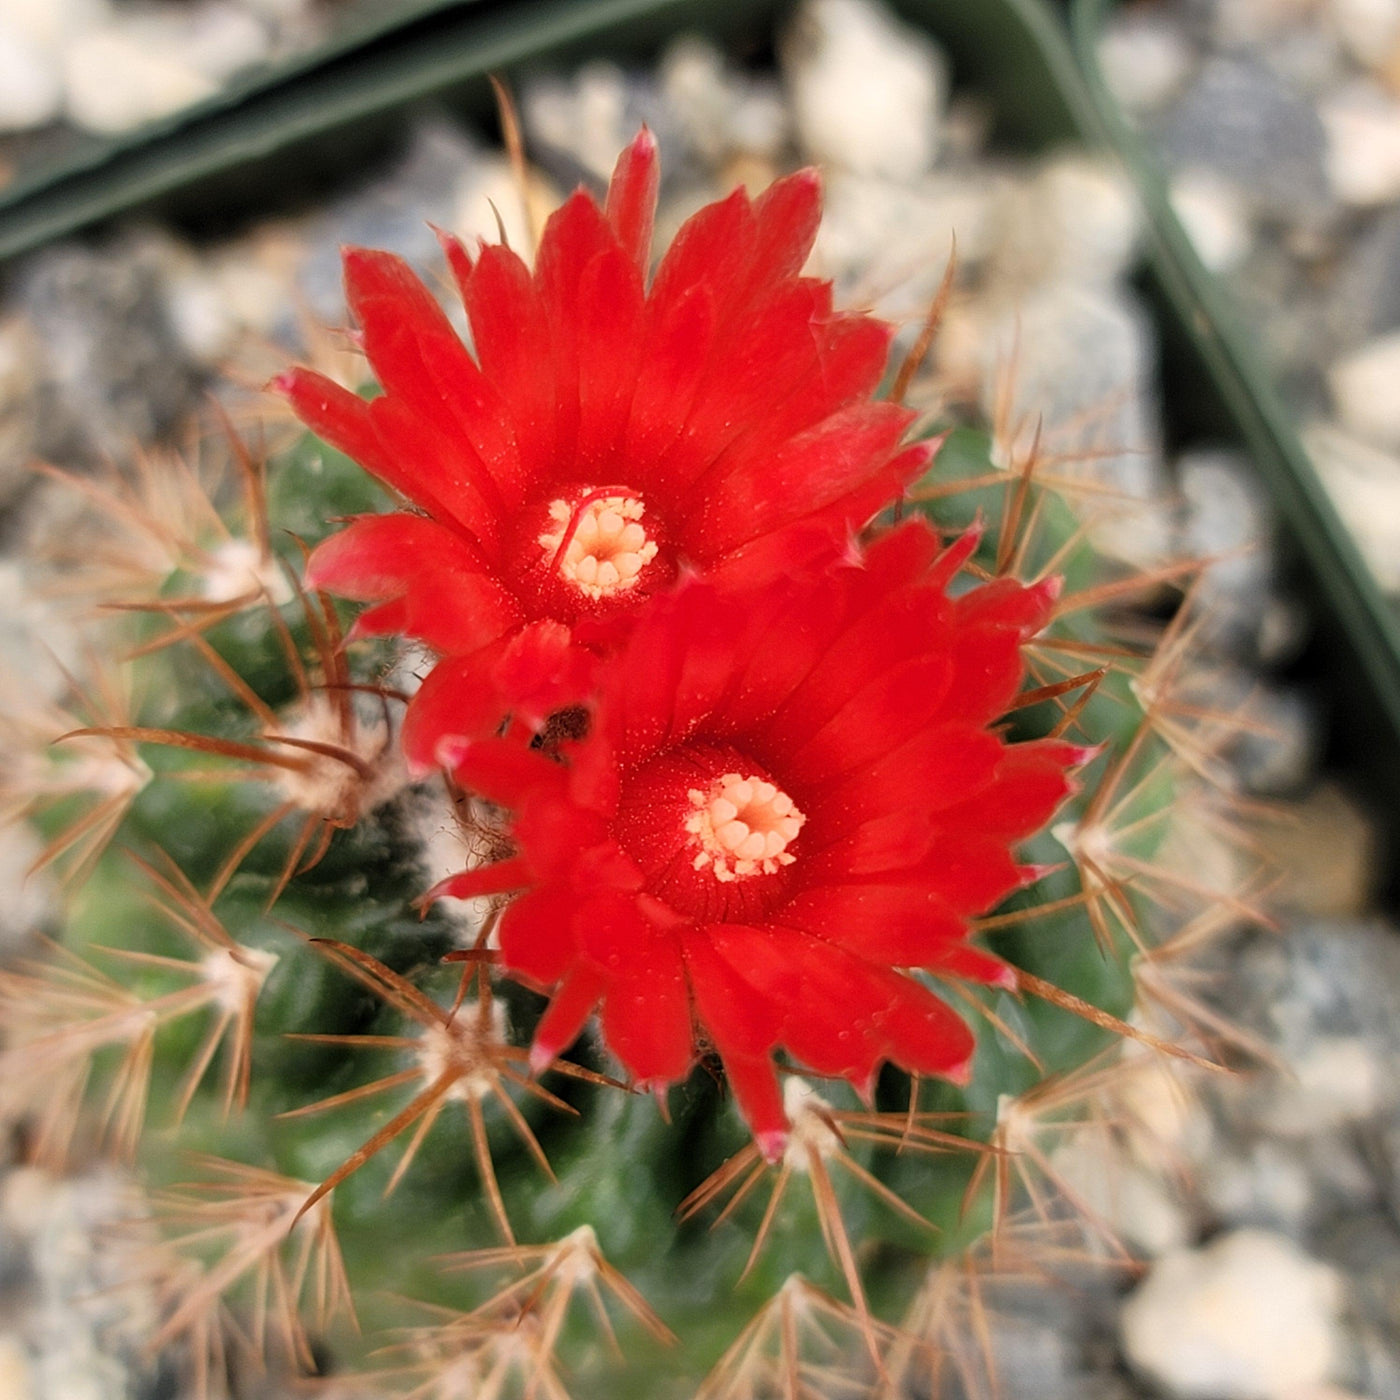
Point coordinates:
pixel 728 407
pixel 646 1011
pixel 511 337
pixel 448 599
pixel 421 362
pixel 1030 784
pixel 537 942
pixel 457 699
pixel 810 471
pixel 898 924
pixel 786 216
pixel 888 711
pixel 571 1006
pixel 631 204
pixel 936 769
pixel 609 315
pixel 923 1034
pixel 894 828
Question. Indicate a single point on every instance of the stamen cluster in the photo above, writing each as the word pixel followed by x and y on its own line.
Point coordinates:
pixel 742 826
pixel 779 799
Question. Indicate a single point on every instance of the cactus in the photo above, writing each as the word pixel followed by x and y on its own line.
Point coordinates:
pixel 371 1144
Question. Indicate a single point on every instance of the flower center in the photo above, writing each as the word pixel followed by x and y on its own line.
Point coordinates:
pixel 741 826
pixel 599 543
pixel 714 835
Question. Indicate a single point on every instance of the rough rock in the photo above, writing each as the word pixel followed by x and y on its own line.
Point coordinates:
pixel 111 355
pixel 1279 743
pixel 218 38
pixel 1258 1183
pixel 866 91
pixel 1365 294
pixel 395 211
pixel 1363 145
pixel 19 404
pixel 1241 121
pixel 31 87
pixel 1369 29
pixel 1077 220
pixel 722 112
pixel 1082 362
pixel 51 25
pixel 116 79
pixel 1363 388
pixel 1248 1317
pixel 1215 217
pixel 1227 517
pixel 886 243
pixel 1362 480
pixel 576 125
pixel 1140 1207
pixel 1326 850
pixel 1145 59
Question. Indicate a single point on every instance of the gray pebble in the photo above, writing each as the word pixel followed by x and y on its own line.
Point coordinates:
pixel 1238 119
pixel 111 357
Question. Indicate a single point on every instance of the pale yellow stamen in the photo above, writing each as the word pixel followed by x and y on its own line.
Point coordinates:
pixel 608 548
pixel 742 826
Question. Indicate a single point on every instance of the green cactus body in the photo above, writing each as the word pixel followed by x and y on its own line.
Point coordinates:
pixel 345 863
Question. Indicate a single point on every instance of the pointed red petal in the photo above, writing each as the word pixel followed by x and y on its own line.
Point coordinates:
pixel 500 877
pixel 571 1006
pixel 631 204
pixel 458 699
pixel 646 1010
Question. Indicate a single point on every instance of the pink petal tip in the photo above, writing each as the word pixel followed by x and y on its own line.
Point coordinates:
pixel 961 1075
pixel 451 750
pixel 772 1144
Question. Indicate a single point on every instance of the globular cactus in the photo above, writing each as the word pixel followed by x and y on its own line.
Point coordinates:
pixel 799 841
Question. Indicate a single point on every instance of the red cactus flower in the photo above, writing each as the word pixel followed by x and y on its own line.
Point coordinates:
pixel 786 799
pixel 605 437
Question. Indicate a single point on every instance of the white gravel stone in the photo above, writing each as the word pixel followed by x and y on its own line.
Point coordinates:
pixel 31 89
pixel 722 113
pixel 16 1375
pixel 1255 22
pixel 1226 516
pixel 1335 1082
pixel 867 93
pixel 1364 484
pixel 1076 221
pixel 1081 362
pixel 1363 145
pixel 51 24
pixel 1249 1317
pixel 29 901
pixel 1141 1207
pixel 39 648
pixel 1145 62
pixel 488 193
pixel 21 361
pixel 116 79
pixel 219 39
pixel 1265 1184
pixel 1215 216
pixel 1366 392
pixel 586 117
pixel 1369 29
pixel 886 243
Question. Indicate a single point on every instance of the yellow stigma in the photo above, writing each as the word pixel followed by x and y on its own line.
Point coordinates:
pixel 742 826
pixel 608 547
